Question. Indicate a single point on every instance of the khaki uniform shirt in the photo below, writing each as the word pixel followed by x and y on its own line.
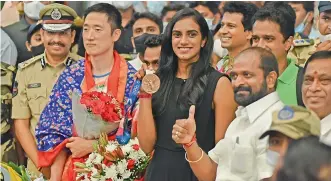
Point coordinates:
pixel 34 82
pixel 8 152
pixel 302 49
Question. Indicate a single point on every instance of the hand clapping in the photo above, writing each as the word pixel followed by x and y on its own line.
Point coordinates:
pixel 184 129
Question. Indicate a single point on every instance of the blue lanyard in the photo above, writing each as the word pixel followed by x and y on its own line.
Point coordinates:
pixel 133 98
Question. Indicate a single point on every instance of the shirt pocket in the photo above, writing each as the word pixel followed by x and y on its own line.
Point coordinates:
pixel 37 98
pixel 243 161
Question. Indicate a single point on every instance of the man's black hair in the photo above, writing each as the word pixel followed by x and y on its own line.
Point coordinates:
pixel 147 15
pixel 171 7
pixel 315 56
pixel 280 13
pixel 154 41
pixel 268 60
pixel 244 8
pixel 114 16
pixel 307 5
pixel 151 42
pixel 211 5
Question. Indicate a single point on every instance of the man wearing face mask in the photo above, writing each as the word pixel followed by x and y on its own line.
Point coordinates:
pixel 209 10
pixel 124 45
pixel 289 123
pixel 304 11
pixel 304 48
pixel 168 12
pixel 36 76
pixel 18 31
pixel 143 24
pixel 34 42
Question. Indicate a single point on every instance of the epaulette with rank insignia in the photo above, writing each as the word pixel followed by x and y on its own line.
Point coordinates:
pixel 30 61
pixel 303 42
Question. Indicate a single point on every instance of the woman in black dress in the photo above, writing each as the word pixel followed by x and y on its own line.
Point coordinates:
pixel 187 78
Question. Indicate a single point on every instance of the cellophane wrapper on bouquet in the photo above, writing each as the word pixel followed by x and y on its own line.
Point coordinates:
pixel 95 113
pixel 113 162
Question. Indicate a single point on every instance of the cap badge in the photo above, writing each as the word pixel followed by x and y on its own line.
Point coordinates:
pixel 56 14
pixel 286 113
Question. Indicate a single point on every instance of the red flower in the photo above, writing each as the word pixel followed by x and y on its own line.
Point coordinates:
pixel 131 163
pixel 109 116
pixel 105 98
pixel 98 107
pixel 135 147
pixel 100 103
pixel 107 162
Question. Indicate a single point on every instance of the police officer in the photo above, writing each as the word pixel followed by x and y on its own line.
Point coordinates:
pixel 34 43
pixel 35 77
pixel 8 61
pixel 303 48
pixel 289 123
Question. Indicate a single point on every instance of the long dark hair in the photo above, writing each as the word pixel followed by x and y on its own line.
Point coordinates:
pixel 194 86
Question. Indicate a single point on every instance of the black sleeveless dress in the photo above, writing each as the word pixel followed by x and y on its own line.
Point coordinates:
pixel 168 163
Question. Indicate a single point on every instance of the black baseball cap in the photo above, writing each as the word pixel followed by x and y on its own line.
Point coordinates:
pixel 324 6
pixel 32 29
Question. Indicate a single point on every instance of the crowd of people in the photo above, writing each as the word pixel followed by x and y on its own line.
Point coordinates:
pixel 244 87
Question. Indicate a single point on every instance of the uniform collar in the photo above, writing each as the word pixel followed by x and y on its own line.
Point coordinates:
pixel 67 61
pixel 326 125
pixel 288 76
pixel 257 108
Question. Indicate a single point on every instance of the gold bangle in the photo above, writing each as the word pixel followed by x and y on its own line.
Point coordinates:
pixel 196 160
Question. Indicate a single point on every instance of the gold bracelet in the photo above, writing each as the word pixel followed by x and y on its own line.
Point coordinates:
pixel 202 153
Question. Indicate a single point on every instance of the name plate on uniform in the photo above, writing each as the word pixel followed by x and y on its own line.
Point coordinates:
pixel 35 85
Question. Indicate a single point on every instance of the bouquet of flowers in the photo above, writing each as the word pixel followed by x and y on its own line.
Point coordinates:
pixel 113 162
pixel 96 112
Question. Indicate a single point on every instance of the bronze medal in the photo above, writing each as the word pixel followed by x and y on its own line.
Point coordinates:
pixel 151 83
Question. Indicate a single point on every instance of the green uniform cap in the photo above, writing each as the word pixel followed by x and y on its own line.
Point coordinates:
pixel 295 122
pixel 57 17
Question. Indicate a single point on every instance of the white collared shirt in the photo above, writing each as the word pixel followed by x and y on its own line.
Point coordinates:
pixel 136 63
pixel 241 155
pixel 326 130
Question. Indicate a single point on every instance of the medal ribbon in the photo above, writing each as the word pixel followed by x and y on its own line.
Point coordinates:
pixel 123 135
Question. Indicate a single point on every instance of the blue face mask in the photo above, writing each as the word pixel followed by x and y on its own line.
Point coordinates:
pixel 156 7
pixel 272 157
pixel 301 26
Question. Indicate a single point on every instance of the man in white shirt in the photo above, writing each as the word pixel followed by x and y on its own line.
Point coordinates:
pixel 241 155
pixel 143 24
pixel 316 90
